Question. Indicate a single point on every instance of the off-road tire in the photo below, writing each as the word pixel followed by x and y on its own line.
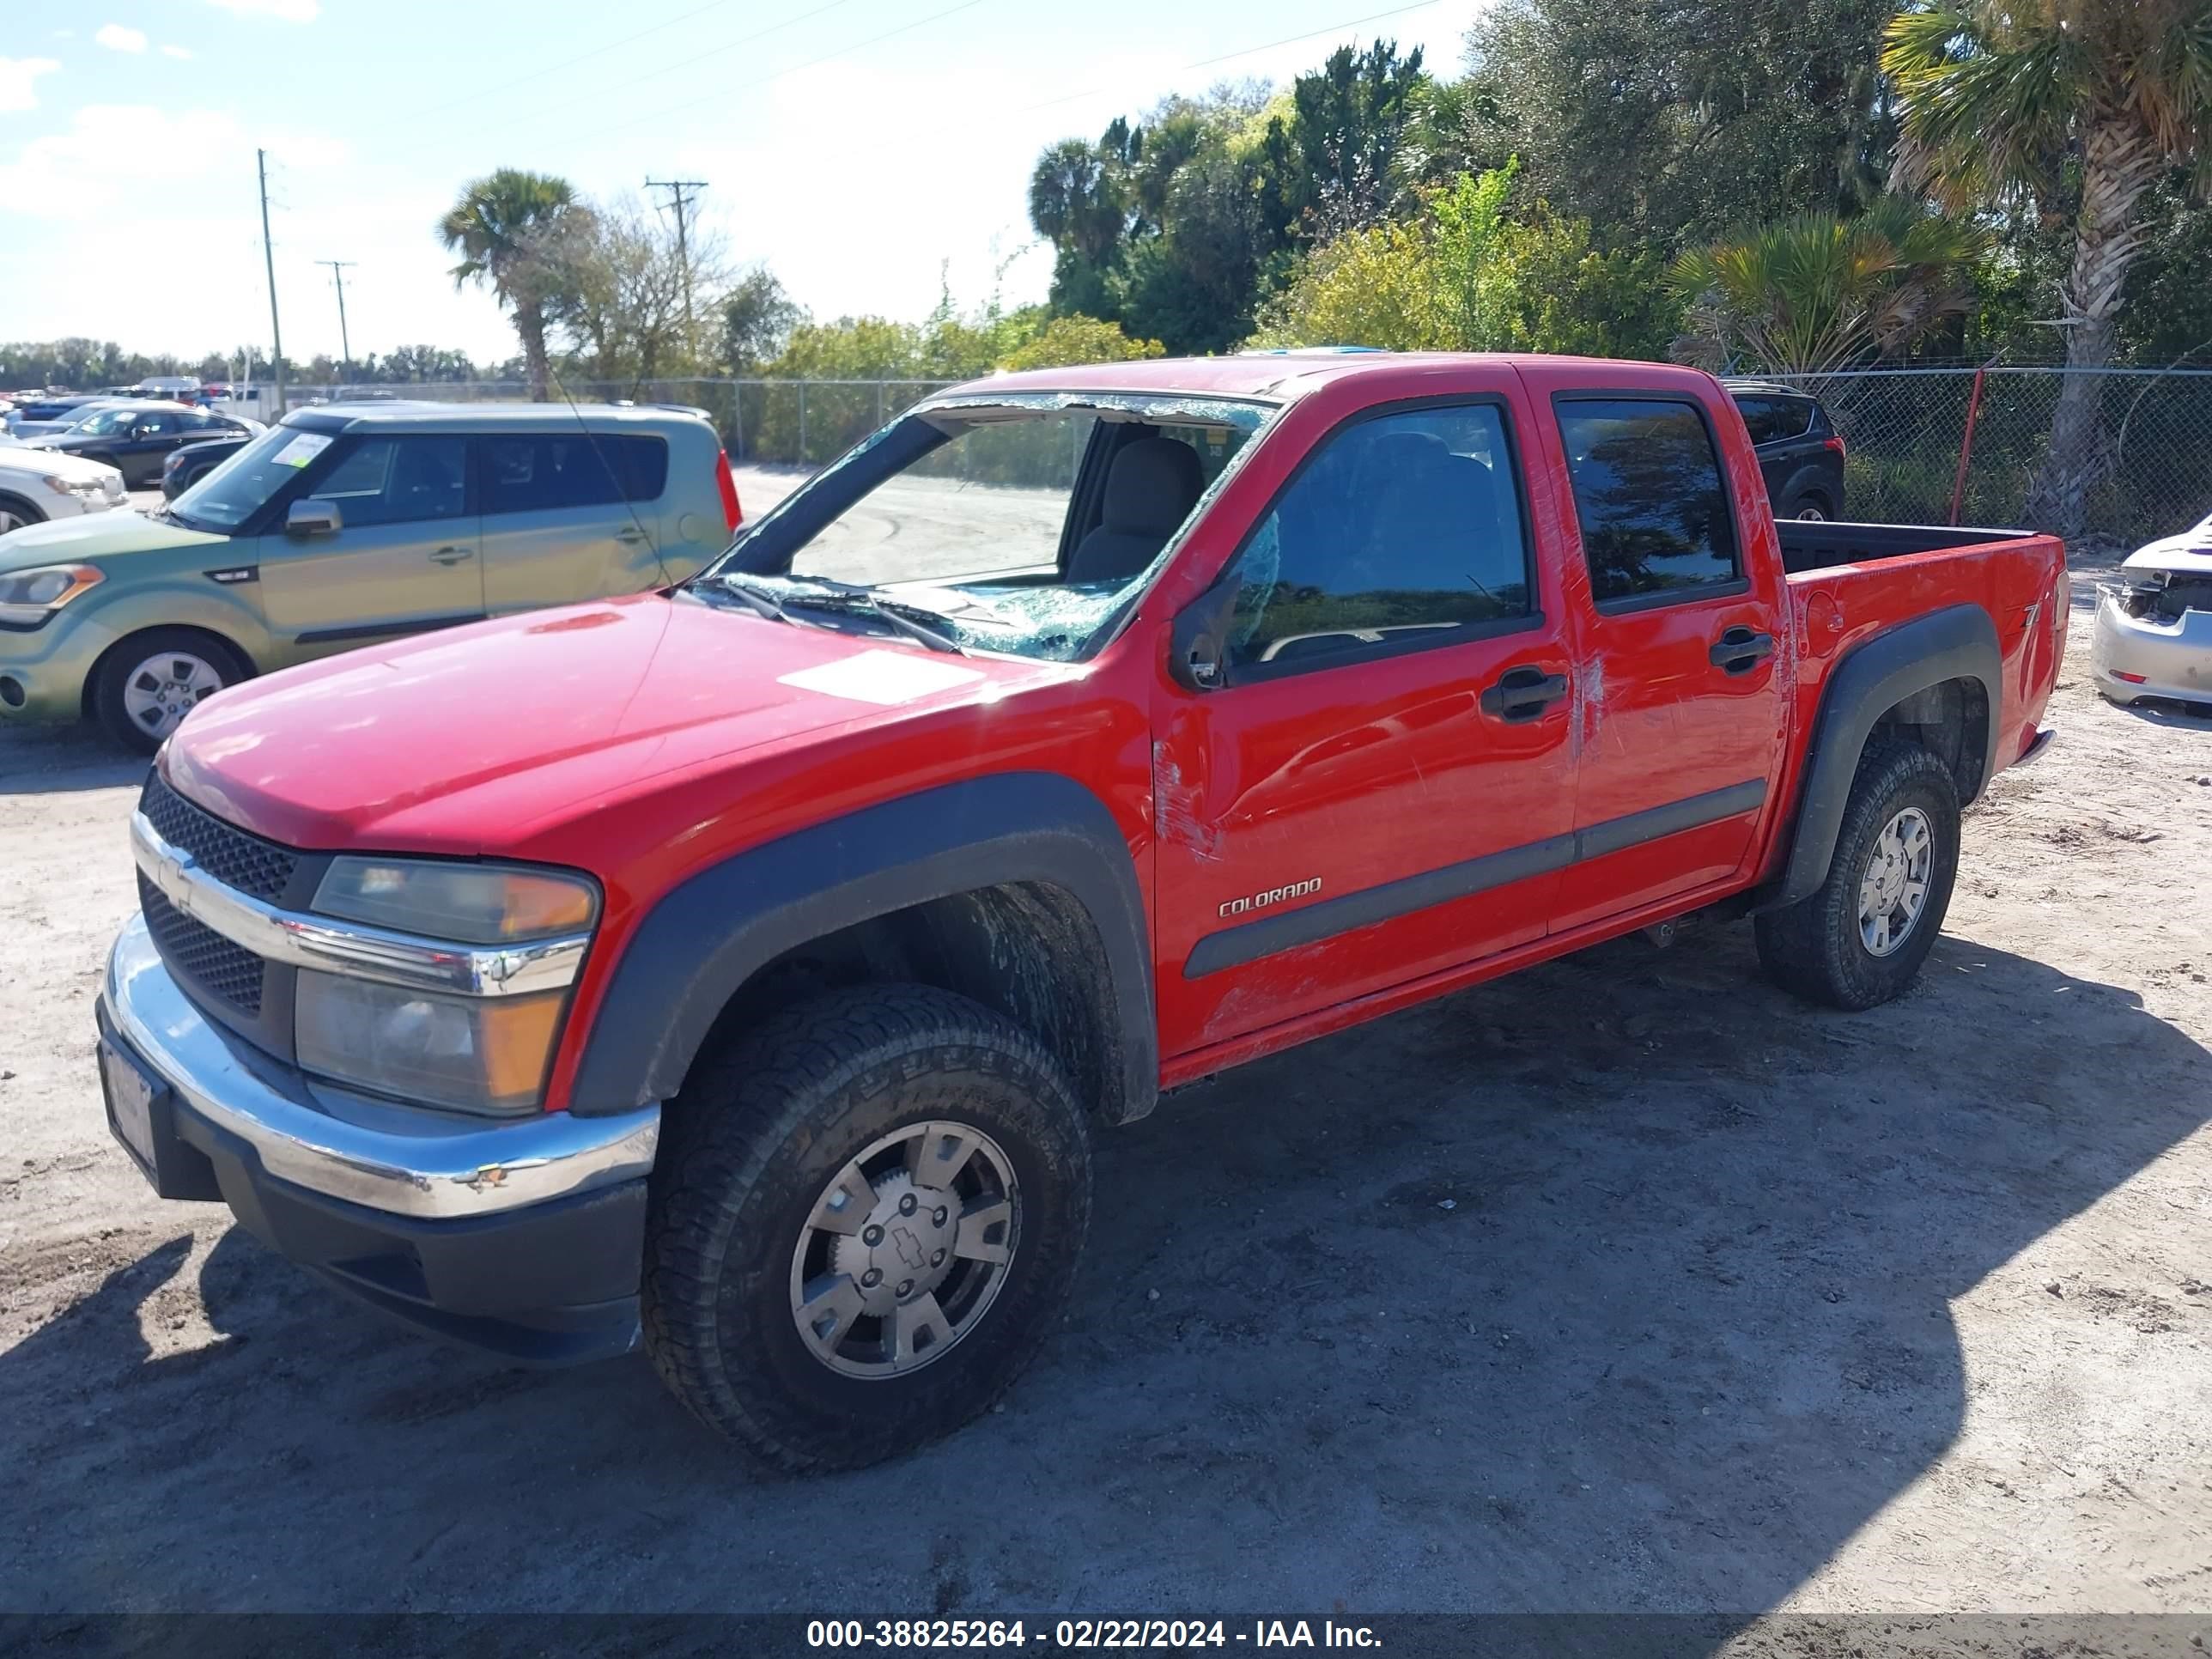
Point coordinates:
pixel 759 1130
pixel 1813 947
pixel 110 677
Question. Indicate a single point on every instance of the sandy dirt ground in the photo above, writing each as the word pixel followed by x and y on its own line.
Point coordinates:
pixel 1626 1285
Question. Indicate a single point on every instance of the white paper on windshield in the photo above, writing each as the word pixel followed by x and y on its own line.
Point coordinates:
pixel 884 678
pixel 302 450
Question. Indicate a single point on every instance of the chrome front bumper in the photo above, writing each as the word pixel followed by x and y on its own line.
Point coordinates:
pixel 401 1160
pixel 2166 659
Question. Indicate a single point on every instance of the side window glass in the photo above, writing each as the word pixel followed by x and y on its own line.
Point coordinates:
pixel 1793 418
pixel 1402 529
pixel 1649 492
pixel 1761 418
pixel 540 473
pixel 399 480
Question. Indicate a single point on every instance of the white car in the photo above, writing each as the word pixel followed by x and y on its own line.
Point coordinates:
pixel 2154 634
pixel 38 484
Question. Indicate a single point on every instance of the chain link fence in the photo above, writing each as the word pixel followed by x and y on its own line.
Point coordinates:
pixel 767 422
pixel 1906 433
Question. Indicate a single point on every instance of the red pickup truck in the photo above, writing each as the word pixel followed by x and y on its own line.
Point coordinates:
pixel 744 968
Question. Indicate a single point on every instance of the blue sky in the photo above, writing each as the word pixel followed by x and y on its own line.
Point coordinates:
pixel 854 145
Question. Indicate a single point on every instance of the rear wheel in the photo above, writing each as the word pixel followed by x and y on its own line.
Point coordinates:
pixel 865 1220
pixel 15 512
pixel 147 684
pixel 1860 939
pixel 1809 509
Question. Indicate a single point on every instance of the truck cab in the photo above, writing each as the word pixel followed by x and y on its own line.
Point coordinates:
pixel 744 968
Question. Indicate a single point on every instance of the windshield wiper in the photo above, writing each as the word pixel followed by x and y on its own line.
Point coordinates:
pixel 759 598
pixel 861 601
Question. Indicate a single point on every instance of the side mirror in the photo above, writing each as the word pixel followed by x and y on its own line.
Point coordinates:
pixel 1198 640
pixel 313 517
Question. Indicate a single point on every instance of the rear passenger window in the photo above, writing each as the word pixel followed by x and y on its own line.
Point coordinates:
pixel 1792 415
pixel 542 473
pixel 1649 492
pixel 1403 530
pixel 1759 418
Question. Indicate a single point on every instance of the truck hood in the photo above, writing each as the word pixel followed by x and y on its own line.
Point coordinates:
pixel 95 536
pixel 473 740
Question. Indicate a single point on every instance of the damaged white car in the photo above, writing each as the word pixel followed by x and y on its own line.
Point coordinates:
pixel 2155 626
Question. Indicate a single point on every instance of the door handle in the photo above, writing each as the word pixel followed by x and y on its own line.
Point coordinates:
pixel 1523 693
pixel 453 555
pixel 629 537
pixel 1739 651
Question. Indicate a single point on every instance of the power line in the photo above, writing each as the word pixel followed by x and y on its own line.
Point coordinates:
pixel 1000 118
pixel 476 100
pixel 812 63
pixel 676 188
pixel 338 269
pixel 1292 39
pixel 444 141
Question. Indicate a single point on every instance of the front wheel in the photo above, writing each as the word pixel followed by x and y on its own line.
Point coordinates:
pixel 147 684
pixel 15 512
pixel 865 1220
pixel 1859 937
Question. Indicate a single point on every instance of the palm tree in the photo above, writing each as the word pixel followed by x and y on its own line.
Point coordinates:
pixel 1816 294
pixel 2020 98
pixel 504 226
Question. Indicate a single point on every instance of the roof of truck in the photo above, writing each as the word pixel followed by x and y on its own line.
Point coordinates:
pixel 1273 375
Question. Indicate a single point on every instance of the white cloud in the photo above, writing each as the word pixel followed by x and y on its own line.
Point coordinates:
pixel 287 12
pixel 16 75
pixel 112 152
pixel 116 38
pixel 183 54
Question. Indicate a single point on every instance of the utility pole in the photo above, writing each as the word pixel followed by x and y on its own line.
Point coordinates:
pixel 268 258
pixel 676 188
pixel 338 269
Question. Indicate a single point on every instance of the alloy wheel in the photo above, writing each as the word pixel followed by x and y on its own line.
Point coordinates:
pixel 1893 892
pixel 164 689
pixel 905 1249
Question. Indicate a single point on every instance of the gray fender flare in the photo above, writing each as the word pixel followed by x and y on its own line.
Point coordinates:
pixel 1958 643
pixel 711 933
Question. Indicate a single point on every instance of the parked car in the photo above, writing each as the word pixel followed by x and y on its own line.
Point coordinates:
pixel 35 487
pixel 784 936
pixel 341 526
pixel 183 468
pixel 1801 454
pixel 2154 632
pixel 135 438
pixel 36 418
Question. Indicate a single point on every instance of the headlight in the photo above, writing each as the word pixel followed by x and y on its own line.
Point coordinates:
pixel 475 1054
pixel 30 596
pixel 472 1054
pixel 470 904
pixel 86 488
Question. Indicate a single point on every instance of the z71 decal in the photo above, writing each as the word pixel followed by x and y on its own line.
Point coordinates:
pixel 1274 896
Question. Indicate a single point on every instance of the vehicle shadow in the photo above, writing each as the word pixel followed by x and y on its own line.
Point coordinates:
pixel 1625 1284
pixel 2185 716
pixel 62 760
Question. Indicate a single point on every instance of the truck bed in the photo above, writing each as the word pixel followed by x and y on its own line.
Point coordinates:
pixel 1812 546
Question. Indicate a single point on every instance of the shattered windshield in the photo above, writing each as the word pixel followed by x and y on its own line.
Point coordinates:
pixel 1022 523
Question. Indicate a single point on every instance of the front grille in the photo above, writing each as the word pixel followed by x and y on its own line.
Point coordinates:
pixel 199 953
pixel 231 856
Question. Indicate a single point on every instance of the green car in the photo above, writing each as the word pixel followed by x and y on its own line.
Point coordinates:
pixel 343 525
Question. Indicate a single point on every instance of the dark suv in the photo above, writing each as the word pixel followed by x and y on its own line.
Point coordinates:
pixel 1798 450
